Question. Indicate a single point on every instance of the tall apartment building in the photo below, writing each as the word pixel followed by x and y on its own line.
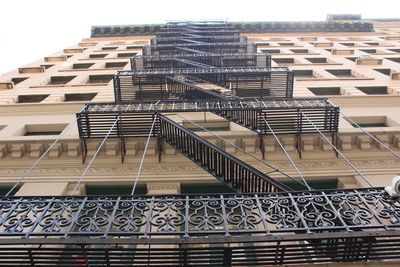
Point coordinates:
pixel 205 143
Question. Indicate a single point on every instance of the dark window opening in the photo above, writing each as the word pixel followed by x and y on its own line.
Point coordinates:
pixel 317 59
pixel 5 189
pixel 396 50
pixel 373 90
pixel 383 71
pixel 394 59
pixel 205 188
pixel 134 47
pixel 271 51
pixel 80 66
pixel 100 78
pixel 31 98
pixel 370 51
pixel 341 73
pixel 18 80
pixel 370 124
pixel 42 133
pixel 347 44
pixel 286 44
pixel 97 55
pixel 372 43
pixel 61 79
pixel 283 60
pixel 46 66
pixel 303 73
pixel 352 58
pixel 126 54
pixel 79 97
pixel 330 183
pixel 116 64
pixel 325 90
pixel 299 50
pixel 114 190
pixel 107 48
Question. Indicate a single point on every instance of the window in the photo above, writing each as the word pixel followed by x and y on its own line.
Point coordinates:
pixel 368 122
pixel 108 48
pixel 394 59
pixel 79 97
pixel 55 59
pixel 323 183
pixel 286 44
pixel 111 65
pixel 73 50
pixel 271 51
pixel 347 44
pixel 317 60
pixel 396 50
pixel 31 70
pixel 370 51
pixel 209 188
pixel 299 51
pixel 263 43
pixel 57 80
pixel 17 80
pixel 372 43
pixel 325 90
pixel 100 78
pixel 97 55
pixel 46 66
pixel 303 73
pixel 5 189
pixel 80 66
pixel 383 71
pixel 373 90
pixel 283 60
pixel 43 129
pixel 126 54
pixel 134 47
pixel 354 59
pixel 31 98
pixel 114 190
pixel 341 73
pixel 369 125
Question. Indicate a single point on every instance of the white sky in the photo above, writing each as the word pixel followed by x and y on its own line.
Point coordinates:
pixel 30 30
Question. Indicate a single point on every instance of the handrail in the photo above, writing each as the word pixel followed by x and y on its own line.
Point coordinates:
pixel 232 171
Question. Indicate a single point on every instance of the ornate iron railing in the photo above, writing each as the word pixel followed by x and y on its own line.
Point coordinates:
pixel 249 217
pixel 226 230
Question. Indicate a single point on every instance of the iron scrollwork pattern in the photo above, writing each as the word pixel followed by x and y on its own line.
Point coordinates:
pixel 195 215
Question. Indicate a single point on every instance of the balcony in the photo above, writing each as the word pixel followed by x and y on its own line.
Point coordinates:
pixel 227 230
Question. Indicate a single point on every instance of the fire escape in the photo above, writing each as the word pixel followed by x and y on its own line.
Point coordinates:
pixel 264 223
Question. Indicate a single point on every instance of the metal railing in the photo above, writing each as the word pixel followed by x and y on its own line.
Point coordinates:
pixel 283 115
pixel 261 229
pixel 227 168
pixel 243 82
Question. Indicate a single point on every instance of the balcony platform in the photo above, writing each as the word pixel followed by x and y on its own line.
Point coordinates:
pixel 227 229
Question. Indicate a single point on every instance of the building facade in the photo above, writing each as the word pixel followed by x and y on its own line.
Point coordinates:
pixel 180 144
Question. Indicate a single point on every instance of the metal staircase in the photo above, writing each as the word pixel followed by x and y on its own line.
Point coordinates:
pixel 225 167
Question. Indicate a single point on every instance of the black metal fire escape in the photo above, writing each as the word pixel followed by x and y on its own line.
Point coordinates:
pixel 265 223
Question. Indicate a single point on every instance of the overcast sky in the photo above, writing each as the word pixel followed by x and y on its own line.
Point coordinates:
pixel 30 30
